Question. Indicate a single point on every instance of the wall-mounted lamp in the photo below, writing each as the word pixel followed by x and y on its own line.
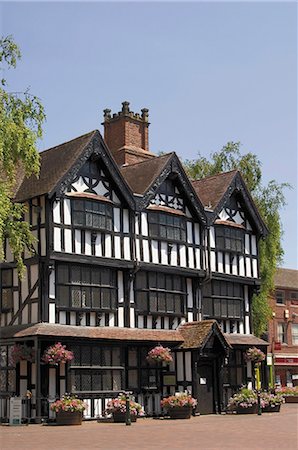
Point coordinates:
pixel 286 313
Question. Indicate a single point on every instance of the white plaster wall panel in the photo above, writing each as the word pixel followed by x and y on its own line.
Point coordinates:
pixel 212 237
pixel 34 312
pixel 24 286
pixel 52 383
pixel 43 210
pixel 227 263
pixel 15 302
pixel 164 253
pixel 241 266
pixel 52 284
pixel 241 328
pixel 138 253
pixel 149 321
pixel 191 260
pixel 247 325
pixel 62 317
pixel 166 323
pixel 190 317
pixel 187 212
pixel 253 245
pixel 67 212
pixel 198 258
pixel 23 388
pixel 126 247
pixel 120 287
pixel 73 320
pixel 234 266
pixel 88 250
pixel 237 218
pixel 254 268
pixel 144 224
pixel 35 213
pixel 98 247
pixel 78 241
pixel 223 215
pixel 43 242
pixel 189 293
pixel 115 198
pixel 180 375
pixel 140 322
pixel 220 262
pixel 248 226
pixel 80 186
pixel 35 244
pixel 25 315
pixel 137 228
pixel 188 367
pixel 57 239
pixel 111 320
pixel 97 407
pixel 125 221
pixel 117 244
pixel 182 252
pixel 52 313
pixel 246 299
pixel 158 323
pixel 92 319
pixel 228 330
pixel 197 234
pixel 15 277
pixel 62 387
pixel 154 249
pixel 120 316
pixel 56 212
pixel 83 320
pixel 67 241
pixel 213 261
pixel 246 247
pixel 117 227
pixel 189 232
pixel 132 317
pixel 108 246
pixel 248 267
pixel 146 256
pixel 174 255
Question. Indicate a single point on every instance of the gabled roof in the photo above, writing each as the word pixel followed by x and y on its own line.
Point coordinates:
pixel 146 177
pixel 211 189
pixel 59 166
pixel 216 190
pixel 286 278
pixel 197 334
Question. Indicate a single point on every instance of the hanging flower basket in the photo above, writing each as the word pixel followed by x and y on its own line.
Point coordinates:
pixel 160 354
pixel 56 354
pixel 255 355
pixel 21 352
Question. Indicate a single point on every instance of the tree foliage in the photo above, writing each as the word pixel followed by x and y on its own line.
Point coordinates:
pixel 21 119
pixel 269 200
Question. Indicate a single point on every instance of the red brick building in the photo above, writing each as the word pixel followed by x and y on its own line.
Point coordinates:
pixel 283 328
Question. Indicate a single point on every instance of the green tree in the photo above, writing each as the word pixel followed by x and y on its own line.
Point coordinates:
pixel 21 118
pixel 269 200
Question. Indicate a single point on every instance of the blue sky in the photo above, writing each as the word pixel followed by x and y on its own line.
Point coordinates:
pixel 208 72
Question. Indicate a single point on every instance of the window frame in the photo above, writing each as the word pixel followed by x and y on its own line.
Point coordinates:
pixel 282 297
pixel 95 209
pixel 159 224
pixel 294 334
pixel 223 234
pixel 6 287
pixel 281 333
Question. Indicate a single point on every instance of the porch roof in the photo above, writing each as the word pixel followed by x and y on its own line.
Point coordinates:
pixel 197 334
pixel 244 339
pixel 71 331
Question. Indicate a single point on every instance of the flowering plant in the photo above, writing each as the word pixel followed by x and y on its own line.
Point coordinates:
pixel 287 391
pixel 272 400
pixel 119 405
pixel 180 399
pixel 160 354
pixel 70 403
pixel 255 355
pixel 21 352
pixel 57 354
pixel 245 398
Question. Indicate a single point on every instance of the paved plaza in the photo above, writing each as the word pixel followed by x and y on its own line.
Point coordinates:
pixel 269 431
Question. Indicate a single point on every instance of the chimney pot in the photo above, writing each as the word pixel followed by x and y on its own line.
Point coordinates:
pixel 125 107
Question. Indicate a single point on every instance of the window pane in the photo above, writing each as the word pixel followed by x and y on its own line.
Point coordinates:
pixel 95 297
pixel 62 274
pixel 7 278
pixel 75 275
pixel 141 280
pixel 76 297
pixel 141 299
pixel 63 295
pixel 107 380
pixel 294 334
pixel 132 357
pixel 86 381
pixel 105 298
pixel 6 299
pixel 162 302
pixel 96 381
pixel 79 218
pixel 86 356
pixel 133 379
pixel 116 356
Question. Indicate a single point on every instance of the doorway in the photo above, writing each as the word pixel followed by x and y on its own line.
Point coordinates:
pixel 205 388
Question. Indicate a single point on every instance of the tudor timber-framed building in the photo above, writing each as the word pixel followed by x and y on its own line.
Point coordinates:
pixel 130 253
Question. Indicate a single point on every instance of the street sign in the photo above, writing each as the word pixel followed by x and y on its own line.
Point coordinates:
pixel 15 413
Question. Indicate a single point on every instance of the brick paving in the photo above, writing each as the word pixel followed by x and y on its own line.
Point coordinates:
pixel 223 432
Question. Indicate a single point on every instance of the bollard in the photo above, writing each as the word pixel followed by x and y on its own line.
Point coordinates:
pixel 259 403
pixel 127 414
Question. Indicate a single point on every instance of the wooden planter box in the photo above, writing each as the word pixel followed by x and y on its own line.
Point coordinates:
pixel 120 417
pixel 69 418
pixel 270 409
pixel 183 412
pixel 291 399
pixel 251 410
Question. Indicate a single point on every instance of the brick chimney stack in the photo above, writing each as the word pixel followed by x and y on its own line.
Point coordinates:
pixel 126 134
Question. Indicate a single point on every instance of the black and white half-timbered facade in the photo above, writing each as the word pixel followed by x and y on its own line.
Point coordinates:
pixel 130 253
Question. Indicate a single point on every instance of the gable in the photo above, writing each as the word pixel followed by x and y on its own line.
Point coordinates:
pixel 235 212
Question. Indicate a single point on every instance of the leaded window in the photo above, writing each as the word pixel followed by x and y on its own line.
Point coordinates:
pixel 81 287
pixel 225 302
pixel 160 293
pixel 167 226
pixel 229 238
pixel 92 214
pixel 6 290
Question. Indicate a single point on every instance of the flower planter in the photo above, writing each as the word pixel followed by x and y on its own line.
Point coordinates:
pixel 183 412
pixel 69 418
pixel 291 399
pixel 250 410
pixel 275 408
pixel 120 417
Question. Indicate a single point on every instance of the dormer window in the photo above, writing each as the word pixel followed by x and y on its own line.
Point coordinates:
pixel 89 213
pixel 167 226
pixel 229 238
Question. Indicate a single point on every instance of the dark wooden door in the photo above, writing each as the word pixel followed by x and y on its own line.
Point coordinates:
pixel 205 388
